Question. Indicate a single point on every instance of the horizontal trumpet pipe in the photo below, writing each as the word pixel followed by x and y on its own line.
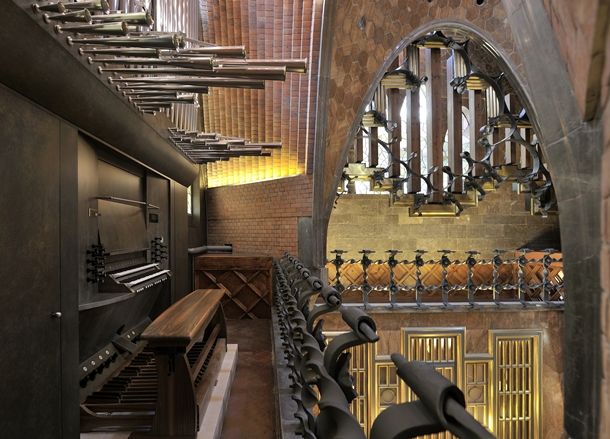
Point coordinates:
pixel 59 7
pixel 205 82
pixel 143 18
pixel 263 73
pixel 131 51
pixel 292 65
pixel 230 153
pixel 50 7
pixel 83 16
pixel 166 87
pixel 221 51
pixel 106 29
pixel 98 5
pixel 155 105
pixel 267 145
pixel 167 41
pixel 149 93
pixel 184 98
pixel 165 101
pixel 201 63
pixel 192 134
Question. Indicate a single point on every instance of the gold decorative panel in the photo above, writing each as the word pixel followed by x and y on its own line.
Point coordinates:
pixel 441 347
pixel 477 389
pixel 387 390
pixel 502 387
pixel 517 385
pixel 360 366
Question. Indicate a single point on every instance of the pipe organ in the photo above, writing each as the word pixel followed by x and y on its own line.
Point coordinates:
pixel 117 123
pixel 159 64
pixel 465 132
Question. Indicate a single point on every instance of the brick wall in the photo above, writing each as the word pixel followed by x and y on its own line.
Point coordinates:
pixel 499 221
pixel 259 218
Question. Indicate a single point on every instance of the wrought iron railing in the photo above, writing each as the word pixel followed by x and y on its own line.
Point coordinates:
pixel 525 277
pixel 314 382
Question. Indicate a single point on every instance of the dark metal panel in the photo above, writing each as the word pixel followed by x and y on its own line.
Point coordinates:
pixel 69 279
pixel 195 224
pixel 30 373
pixel 118 182
pixel 42 67
pixel 179 243
pixel 157 189
pixel 87 232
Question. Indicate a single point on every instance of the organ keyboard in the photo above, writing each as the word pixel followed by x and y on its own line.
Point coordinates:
pixel 163 386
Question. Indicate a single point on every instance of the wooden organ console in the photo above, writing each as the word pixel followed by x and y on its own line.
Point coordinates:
pixel 162 386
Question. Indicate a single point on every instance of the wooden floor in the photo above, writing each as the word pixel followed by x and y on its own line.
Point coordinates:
pixel 251 410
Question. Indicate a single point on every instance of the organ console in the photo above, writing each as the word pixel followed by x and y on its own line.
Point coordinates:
pixel 145 367
pixel 167 374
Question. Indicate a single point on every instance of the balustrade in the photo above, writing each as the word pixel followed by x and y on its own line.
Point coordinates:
pixel 314 382
pixel 527 278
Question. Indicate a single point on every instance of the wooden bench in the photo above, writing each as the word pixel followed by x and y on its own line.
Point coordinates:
pixel 189 342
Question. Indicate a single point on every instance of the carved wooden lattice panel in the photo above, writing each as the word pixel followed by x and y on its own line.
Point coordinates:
pixel 379 274
pixel 247 281
pixel 404 275
pixel 352 274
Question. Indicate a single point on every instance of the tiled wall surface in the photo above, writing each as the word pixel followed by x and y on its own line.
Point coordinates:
pixel 259 218
pixel 575 26
pixel 284 111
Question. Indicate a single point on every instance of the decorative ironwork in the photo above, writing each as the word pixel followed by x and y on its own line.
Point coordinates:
pixel 480 172
pixel 318 370
pixel 529 278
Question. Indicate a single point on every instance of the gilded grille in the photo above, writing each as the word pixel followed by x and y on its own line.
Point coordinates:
pixel 517 386
pixel 359 367
pixel 443 349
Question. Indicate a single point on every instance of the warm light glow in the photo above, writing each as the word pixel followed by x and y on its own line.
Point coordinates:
pixel 244 170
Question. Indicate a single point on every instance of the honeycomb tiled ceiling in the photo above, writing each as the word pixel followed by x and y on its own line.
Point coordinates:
pixel 269 29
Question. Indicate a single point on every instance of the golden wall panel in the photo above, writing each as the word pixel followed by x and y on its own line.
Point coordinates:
pixel 443 348
pixel 477 389
pixel 517 384
pixel 360 367
pixel 387 387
